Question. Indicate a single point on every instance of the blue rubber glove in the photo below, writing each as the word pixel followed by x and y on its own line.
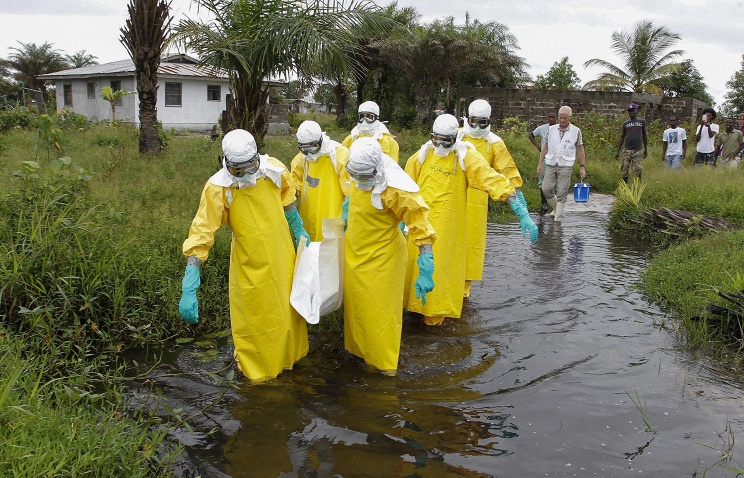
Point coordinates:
pixel 345 212
pixel 295 224
pixel 402 227
pixel 521 198
pixel 425 280
pixel 188 307
pixel 525 221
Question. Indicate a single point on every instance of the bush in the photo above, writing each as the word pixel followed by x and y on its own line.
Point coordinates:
pixel 17 118
pixel 69 120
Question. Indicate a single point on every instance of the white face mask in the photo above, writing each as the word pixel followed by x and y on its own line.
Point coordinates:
pixel 478 132
pixel 367 184
pixel 442 151
pixel 367 128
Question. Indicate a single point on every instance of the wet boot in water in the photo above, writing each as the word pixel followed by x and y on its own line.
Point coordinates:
pixel 544 207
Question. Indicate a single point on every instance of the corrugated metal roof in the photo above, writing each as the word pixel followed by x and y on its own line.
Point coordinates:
pixel 126 68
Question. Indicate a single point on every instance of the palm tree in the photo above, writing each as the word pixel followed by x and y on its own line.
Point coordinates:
pixel 144 37
pixel 261 39
pixel 30 60
pixel 81 59
pixel 646 66
pixel 113 97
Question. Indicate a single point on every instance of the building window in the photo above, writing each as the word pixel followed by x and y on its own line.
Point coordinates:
pixel 116 86
pixel 67 93
pixel 213 92
pixel 91 90
pixel 173 94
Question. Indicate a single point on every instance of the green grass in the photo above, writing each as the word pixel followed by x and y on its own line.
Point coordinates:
pixel 53 428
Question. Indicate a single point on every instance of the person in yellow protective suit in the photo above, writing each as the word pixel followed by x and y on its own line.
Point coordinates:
pixel 319 174
pixel 254 195
pixel 370 126
pixel 375 258
pixel 444 168
pixel 477 130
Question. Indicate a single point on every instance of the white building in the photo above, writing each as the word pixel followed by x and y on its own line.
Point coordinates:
pixel 189 97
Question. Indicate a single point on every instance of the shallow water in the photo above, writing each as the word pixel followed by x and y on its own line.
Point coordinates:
pixel 539 378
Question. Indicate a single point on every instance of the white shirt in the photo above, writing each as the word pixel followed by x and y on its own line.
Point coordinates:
pixel 706 143
pixel 673 137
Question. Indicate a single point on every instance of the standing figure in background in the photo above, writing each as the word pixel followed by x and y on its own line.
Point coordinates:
pixel 444 168
pixel 674 150
pixel 370 126
pixel 320 177
pixel 542 132
pixel 477 131
pixel 375 257
pixel 705 134
pixel 558 156
pixel 633 136
pixel 254 196
pixel 729 144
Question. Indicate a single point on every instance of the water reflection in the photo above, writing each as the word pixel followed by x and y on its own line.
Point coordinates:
pixel 538 378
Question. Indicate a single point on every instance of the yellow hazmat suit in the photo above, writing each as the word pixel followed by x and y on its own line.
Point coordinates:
pixel 386 140
pixel 493 149
pixel 322 186
pixel 444 181
pixel 375 262
pixel 269 336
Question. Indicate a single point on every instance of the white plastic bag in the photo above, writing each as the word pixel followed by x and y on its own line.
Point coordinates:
pixel 318 283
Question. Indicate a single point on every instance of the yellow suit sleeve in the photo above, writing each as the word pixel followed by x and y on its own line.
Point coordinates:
pixel 288 191
pixel 342 157
pixel 482 176
pixel 347 141
pixel 390 146
pixel 212 213
pixel 297 173
pixel 411 209
pixel 413 166
pixel 502 161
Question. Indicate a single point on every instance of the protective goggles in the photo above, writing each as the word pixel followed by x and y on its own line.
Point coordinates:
pixel 240 169
pixel 310 148
pixel 361 176
pixel 476 122
pixel 368 117
pixel 445 141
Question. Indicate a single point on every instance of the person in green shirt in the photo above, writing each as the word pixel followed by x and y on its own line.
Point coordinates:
pixel 729 144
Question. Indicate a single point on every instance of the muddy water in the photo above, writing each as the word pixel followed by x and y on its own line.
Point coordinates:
pixel 545 375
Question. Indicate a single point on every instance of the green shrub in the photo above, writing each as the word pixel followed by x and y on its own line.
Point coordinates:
pixel 17 118
pixel 69 120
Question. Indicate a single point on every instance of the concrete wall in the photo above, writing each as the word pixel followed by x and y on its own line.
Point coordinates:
pixel 533 106
pixel 96 108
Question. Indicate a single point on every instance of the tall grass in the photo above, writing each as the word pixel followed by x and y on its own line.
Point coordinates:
pixel 50 428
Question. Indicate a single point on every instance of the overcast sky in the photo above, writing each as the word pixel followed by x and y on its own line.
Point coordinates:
pixel 546 30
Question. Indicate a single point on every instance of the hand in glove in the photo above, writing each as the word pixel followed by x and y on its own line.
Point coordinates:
pixel 521 198
pixel 188 307
pixel 425 280
pixel 402 227
pixel 525 221
pixel 345 212
pixel 295 224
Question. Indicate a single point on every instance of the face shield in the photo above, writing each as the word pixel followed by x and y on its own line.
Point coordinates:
pixel 476 122
pixel 367 118
pixel 310 148
pixel 242 170
pixel 365 178
pixel 443 140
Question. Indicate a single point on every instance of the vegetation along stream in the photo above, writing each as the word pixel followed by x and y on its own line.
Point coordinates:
pixel 559 367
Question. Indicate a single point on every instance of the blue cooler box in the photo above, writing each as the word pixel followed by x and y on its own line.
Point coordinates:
pixel 581 192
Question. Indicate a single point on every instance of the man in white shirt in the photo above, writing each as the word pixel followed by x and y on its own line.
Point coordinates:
pixel 705 136
pixel 674 150
pixel 563 148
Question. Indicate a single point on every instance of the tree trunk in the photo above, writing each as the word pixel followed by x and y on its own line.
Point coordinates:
pixel 146 66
